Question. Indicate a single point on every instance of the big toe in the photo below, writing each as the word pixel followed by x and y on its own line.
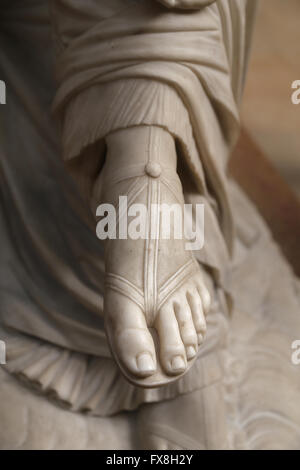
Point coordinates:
pixel 132 342
pixel 135 349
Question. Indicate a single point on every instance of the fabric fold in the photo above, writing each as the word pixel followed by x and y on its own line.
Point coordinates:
pixel 184 51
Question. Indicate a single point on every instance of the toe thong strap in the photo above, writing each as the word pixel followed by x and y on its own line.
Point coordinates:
pixel 153 296
pixel 175 281
pixel 135 294
pixel 125 287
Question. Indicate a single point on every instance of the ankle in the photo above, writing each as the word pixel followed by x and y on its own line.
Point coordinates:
pixel 137 145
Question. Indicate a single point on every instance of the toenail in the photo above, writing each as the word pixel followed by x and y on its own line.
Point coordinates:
pixel 145 363
pixel 190 352
pixel 200 338
pixel 153 169
pixel 178 363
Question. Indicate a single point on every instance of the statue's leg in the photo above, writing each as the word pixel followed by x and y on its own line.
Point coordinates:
pixel 154 284
pixel 151 282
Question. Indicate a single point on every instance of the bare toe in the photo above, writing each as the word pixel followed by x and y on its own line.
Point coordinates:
pixel 196 307
pixel 186 327
pixel 205 297
pixel 172 350
pixel 133 344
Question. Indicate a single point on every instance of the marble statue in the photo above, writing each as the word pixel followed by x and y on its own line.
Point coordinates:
pixel 135 343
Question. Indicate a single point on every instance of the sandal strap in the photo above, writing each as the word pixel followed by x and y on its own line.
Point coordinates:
pixel 125 287
pixel 128 289
pixel 150 177
pixel 175 281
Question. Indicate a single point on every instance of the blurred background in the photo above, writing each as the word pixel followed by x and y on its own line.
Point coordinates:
pixel 268 113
